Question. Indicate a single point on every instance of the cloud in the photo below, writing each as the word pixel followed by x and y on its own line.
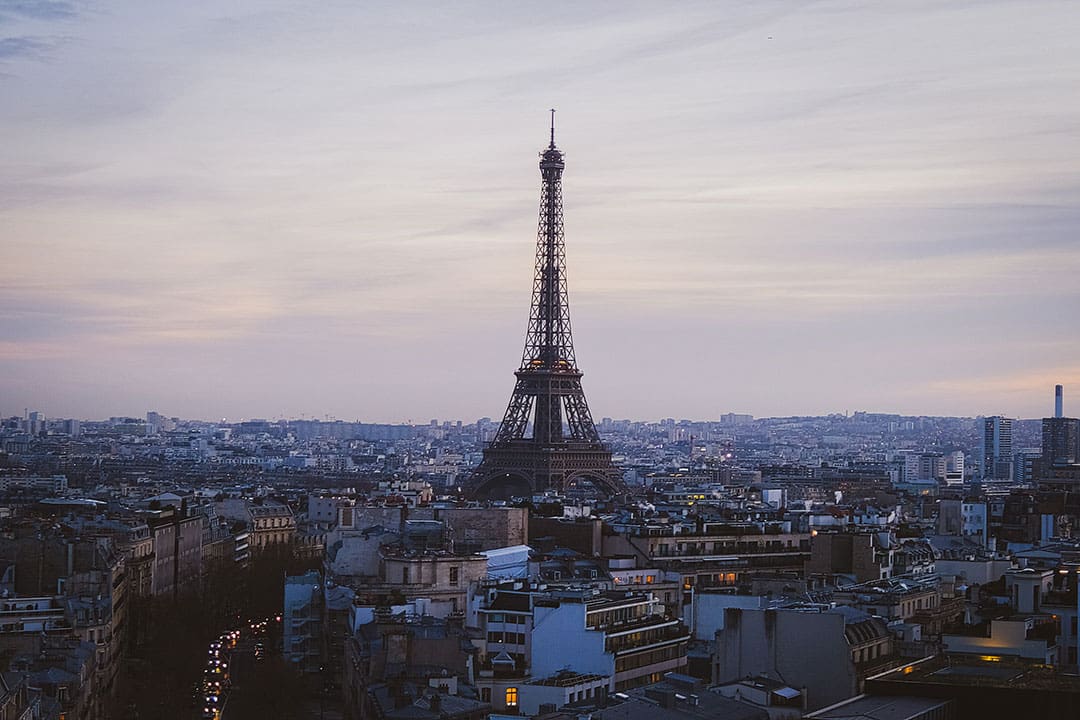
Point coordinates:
pixel 38 9
pixel 819 219
pixel 34 48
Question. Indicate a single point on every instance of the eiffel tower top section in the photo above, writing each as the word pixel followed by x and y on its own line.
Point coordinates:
pixel 549 346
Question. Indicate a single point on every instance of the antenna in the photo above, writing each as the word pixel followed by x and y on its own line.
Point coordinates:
pixel 552 127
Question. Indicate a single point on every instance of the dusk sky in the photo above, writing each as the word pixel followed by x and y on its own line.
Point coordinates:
pixel 265 209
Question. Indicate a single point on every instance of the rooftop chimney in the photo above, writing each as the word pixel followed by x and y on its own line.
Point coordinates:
pixel 1057 402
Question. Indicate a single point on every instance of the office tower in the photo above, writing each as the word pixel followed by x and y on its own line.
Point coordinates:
pixel 547 438
pixel 997 454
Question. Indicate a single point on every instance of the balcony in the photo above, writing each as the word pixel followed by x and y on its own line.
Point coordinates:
pixel 634 625
pixel 651 640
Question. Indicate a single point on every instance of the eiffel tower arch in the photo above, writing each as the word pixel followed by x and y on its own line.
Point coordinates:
pixel 547 438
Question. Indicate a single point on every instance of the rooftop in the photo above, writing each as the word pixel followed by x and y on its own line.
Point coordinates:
pixel 567 678
pixel 868 707
pixel 990 672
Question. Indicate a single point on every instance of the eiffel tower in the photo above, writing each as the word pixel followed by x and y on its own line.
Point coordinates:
pixel 547 439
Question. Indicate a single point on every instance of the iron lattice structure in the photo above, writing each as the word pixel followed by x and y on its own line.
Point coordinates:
pixel 547 438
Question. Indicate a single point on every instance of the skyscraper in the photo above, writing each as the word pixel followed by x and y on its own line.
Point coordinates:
pixel 1060 436
pixel 997 452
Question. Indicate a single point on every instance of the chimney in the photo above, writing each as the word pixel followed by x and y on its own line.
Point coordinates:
pixel 1058 410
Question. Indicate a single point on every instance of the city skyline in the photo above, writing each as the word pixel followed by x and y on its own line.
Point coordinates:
pixel 770 208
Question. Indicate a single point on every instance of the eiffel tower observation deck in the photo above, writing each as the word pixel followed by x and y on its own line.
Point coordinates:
pixel 547 439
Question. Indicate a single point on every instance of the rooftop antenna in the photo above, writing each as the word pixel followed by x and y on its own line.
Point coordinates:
pixel 552 127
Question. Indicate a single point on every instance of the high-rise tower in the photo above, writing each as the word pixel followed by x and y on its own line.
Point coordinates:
pixel 997 451
pixel 547 438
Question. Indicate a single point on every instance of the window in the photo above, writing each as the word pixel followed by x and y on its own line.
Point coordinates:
pixel 454 572
pixel 405 575
pixel 511 697
pixel 485 695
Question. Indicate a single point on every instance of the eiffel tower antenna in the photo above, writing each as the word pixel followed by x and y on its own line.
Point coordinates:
pixel 547 438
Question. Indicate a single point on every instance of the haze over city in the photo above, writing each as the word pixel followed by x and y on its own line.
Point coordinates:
pixel 276 209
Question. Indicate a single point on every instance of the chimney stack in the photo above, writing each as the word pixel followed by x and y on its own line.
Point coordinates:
pixel 1058 410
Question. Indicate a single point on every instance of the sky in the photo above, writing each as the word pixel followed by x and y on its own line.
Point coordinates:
pixel 296 209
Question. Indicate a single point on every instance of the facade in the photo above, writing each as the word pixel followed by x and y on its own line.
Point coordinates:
pixel 177 555
pixel 864 556
pixel 716 554
pixel 929 602
pixel 302 622
pixel 473 530
pixel 436 575
pixel 828 653
pixel 624 636
pixel 271 526
pixel 1014 639
pixel 614 639
pixel 559 690
pixel 53 484
pixel 137 546
pixel 323 510
pixel 965 518
pixel 1060 441
pixel 37 615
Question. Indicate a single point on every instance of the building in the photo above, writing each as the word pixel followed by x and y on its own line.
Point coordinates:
pixel 302 622
pixel 622 638
pixel 711 554
pixel 996 688
pixel 964 518
pixel 862 556
pixel 405 667
pixel 829 652
pixel 177 554
pixel 1060 441
pixel 559 690
pixel 437 575
pixel 997 449
pixel 621 635
pixel 271 526
pixel 1029 639
pixel 53 484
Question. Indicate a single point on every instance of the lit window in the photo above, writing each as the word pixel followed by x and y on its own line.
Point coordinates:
pixel 511 697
